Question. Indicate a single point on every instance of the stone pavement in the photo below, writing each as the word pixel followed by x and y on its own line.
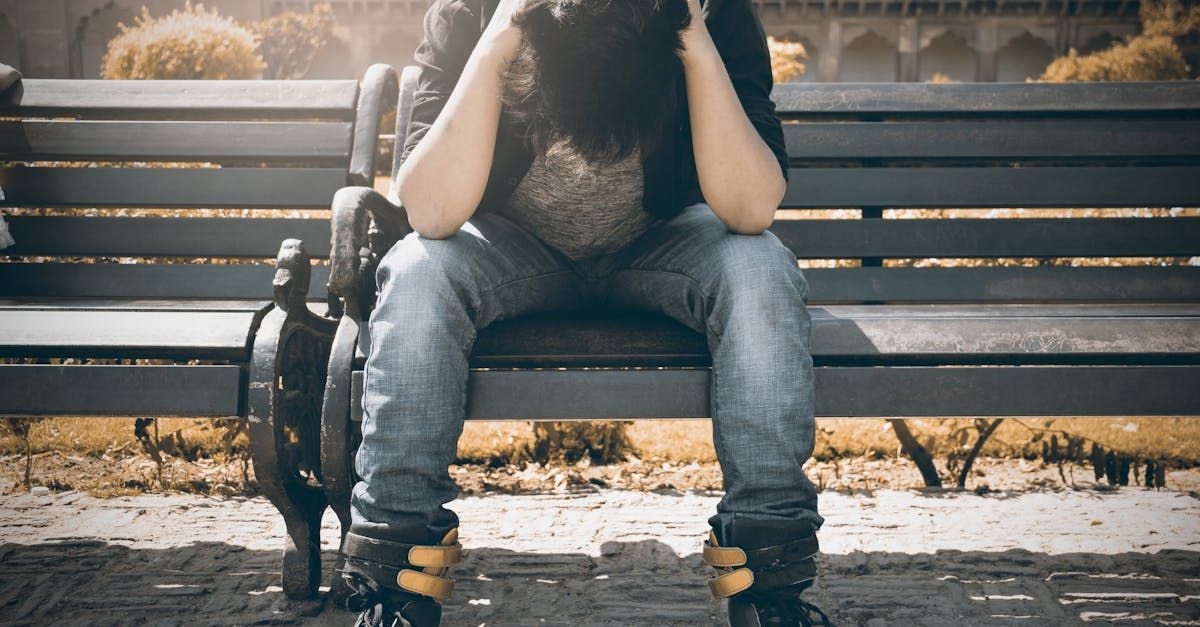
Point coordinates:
pixel 1129 557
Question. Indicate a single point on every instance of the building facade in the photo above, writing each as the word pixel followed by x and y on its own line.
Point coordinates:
pixel 846 40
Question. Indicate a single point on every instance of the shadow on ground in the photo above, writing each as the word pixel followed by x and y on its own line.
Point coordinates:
pixel 629 583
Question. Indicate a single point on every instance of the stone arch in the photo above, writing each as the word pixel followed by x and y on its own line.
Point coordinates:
pixel 948 54
pixel 10 43
pixel 1097 42
pixel 1023 56
pixel 870 57
pixel 92 36
pixel 332 61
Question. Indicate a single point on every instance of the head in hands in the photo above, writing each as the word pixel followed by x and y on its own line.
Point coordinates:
pixel 600 75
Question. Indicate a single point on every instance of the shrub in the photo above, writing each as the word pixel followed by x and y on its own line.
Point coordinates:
pixel 1143 58
pixel 1149 56
pixel 187 44
pixel 786 59
pixel 290 41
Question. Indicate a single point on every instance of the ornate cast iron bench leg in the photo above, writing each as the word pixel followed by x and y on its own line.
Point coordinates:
pixel 287 379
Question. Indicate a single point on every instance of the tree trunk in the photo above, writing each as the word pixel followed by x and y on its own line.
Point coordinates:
pixel 916 452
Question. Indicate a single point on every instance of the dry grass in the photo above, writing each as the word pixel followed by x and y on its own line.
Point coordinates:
pixel 101 455
pixel 681 441
pixel 686 441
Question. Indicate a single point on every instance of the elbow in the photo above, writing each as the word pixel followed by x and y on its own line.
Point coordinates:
pixel 425 216
pixel 755 212
pixel 429 224
pixel 754 223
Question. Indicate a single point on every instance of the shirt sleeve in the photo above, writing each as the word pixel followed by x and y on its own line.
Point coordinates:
pixel 738 35
pixel 452 28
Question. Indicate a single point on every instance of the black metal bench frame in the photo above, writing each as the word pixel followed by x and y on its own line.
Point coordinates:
pixel 238 339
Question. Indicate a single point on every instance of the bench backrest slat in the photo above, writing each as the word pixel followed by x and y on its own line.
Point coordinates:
pixel 266 188
pixel 808 239
pixel 1010 138
pixel 985 98
pixel 200 99
pixel 979 187
pixel 164 237
pixel 984 238
pixel 828 285
pixel 109 140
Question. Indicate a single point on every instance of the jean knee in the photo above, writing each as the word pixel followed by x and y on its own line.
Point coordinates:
pixel 418 262
pixel 753 264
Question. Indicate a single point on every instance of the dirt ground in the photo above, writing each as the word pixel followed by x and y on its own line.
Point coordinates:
pixel 600 556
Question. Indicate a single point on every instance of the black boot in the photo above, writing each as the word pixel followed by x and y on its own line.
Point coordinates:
pixel 398 581
pixel 763 567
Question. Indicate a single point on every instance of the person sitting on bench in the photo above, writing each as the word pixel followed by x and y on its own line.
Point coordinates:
pixel 568 154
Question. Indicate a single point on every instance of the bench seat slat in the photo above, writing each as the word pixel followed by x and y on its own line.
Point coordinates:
pixel 970 237
pixel 148 237
pixel 840 285
pixel 986 98
pixel 947 334
pixel 176 187
pixel 1049 186
pixel 1007 138
pixel 42 140
pixel 181 99
pixel 129 304
pixel 81 390
pixel 840 392
pixel 1003 284
pixel 215 335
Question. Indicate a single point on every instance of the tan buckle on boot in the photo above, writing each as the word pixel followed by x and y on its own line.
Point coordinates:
pixel 731 583
pixel 429 585
pixel 434 561
pixel 726 558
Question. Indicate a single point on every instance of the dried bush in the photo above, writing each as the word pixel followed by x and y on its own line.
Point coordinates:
pixel 187 44
pixel 786 59
pixel 570 442
pixel 1149 56
pixel 290 41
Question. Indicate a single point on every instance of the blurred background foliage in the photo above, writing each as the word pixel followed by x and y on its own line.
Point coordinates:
pixel 196 43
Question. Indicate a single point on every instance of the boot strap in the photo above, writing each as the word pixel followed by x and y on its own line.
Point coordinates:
pixel 760 567
pixel 731 583
pixel 723 557
pixel 429 585
pixel 415 568
pixel 401 554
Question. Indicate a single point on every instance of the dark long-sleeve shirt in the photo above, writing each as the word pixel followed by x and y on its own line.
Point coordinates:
pixel 453 27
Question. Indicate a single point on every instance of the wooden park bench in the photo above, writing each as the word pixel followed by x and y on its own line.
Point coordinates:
pixel 889 340
pixel 204 325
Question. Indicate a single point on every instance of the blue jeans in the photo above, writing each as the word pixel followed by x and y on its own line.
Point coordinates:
pixel 744 292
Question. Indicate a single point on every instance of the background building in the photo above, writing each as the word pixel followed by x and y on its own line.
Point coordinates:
pixel 847 40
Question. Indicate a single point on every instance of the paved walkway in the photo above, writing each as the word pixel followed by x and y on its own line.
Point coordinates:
pixel 1130 557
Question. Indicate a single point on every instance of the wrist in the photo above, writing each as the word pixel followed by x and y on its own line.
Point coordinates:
pixel 499 46
pixel 697 44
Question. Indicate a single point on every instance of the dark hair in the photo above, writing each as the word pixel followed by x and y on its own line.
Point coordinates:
pixel 599 74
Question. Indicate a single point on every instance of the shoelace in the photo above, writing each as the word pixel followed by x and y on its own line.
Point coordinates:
pixel 790 612
pixel 374 617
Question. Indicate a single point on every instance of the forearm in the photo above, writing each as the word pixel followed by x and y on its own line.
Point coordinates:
pixel 739 175
pixel 442 181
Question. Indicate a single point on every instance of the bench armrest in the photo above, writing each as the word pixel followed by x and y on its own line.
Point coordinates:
pixel 377 96
pixel 364 226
